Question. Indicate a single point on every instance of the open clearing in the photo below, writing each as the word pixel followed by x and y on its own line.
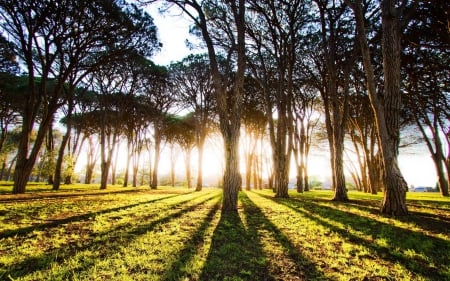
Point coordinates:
pixel 178 234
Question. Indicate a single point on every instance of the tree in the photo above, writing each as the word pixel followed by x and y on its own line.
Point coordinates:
pixel 221 24
pixel 8 58
pixel 84 124
pixel 12 96
pixel 158 100
pixel 333 54
pixel 305 104
pixel 53 39
pixel 275 30
pixel 363 133
pixel 425 65
pixel 181 130
pixel 387 107
pixel 7 157
pixel 192 82
pixel 254 120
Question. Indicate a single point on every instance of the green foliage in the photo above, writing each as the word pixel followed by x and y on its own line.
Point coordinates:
pixel 48 164
pixel 82 233
pixel 315 184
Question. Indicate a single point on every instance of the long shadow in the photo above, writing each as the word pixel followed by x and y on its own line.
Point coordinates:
pixel 437 254
pixel 304 269
pixel 68 194
pixel 176 270
pixel 54 223
pixel 434 223
pixel 102 245
pixel 235 253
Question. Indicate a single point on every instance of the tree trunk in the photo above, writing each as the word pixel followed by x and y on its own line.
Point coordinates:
pixel 154 182
pixel 298 156
pixel 248 170
pixel 172 167
pixel 90 162
pixel 50 152
pixel 387 111
pixel 231 178
pixel 394 202
pixel 106 155
pixel 127 163
pixel 136 159
pixel 89 173
pixel 113 164
pixel 281 176
pixel 2 171
pixel 200 146
pixel 437 153
pixel 59 161
pixel 340 189
pixel 229 101
pixel 104 175
pixel 22 172
pixel 25 162
pixel 188 168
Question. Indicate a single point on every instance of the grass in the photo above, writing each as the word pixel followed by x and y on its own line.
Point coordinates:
pixel 82 233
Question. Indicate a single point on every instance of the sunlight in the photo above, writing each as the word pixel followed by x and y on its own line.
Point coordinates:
pixel 417 169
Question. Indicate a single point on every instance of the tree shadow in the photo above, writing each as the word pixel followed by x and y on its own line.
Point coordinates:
pixel 434 223
pixel 235 253
pixel 177 270
pixel 304 269
pixel 435 250
pixel 102 245
pixel 49 194
pixel 54 223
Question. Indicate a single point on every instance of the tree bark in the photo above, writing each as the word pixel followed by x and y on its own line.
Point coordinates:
pixel 188 168
pixel 65 140
pixel 340 191
pixel 200 146
pixel 232 177
pixel 437 153
pixel 229 100
pixel 172 166
pixel 25 162
pixel 154 181
pixel 130 148
pixel 394 202
pixel 335 106
pixel 90 161
pixel 387 108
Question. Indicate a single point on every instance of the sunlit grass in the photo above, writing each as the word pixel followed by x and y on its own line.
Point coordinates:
pixel 40 187
pixel 177 234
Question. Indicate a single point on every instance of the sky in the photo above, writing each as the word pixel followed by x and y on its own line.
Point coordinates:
pixel 173 29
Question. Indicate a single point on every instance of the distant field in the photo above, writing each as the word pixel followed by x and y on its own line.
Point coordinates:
pixel 82 233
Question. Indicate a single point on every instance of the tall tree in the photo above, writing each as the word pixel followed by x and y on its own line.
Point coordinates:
pixel 254 120
pixel 425 63
pixel 305 107
pixel 221 24
pixel 333 64
pixel 159 100
pixel 52 39
pixel 192 82
pixel 275 31
pixel 387 107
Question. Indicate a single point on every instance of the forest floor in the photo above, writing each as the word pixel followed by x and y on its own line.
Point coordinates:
pixel 82 233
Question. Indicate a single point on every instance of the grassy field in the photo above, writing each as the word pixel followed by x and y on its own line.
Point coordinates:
pixel 82 233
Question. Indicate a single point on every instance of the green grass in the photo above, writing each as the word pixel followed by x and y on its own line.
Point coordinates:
pixel 82 233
